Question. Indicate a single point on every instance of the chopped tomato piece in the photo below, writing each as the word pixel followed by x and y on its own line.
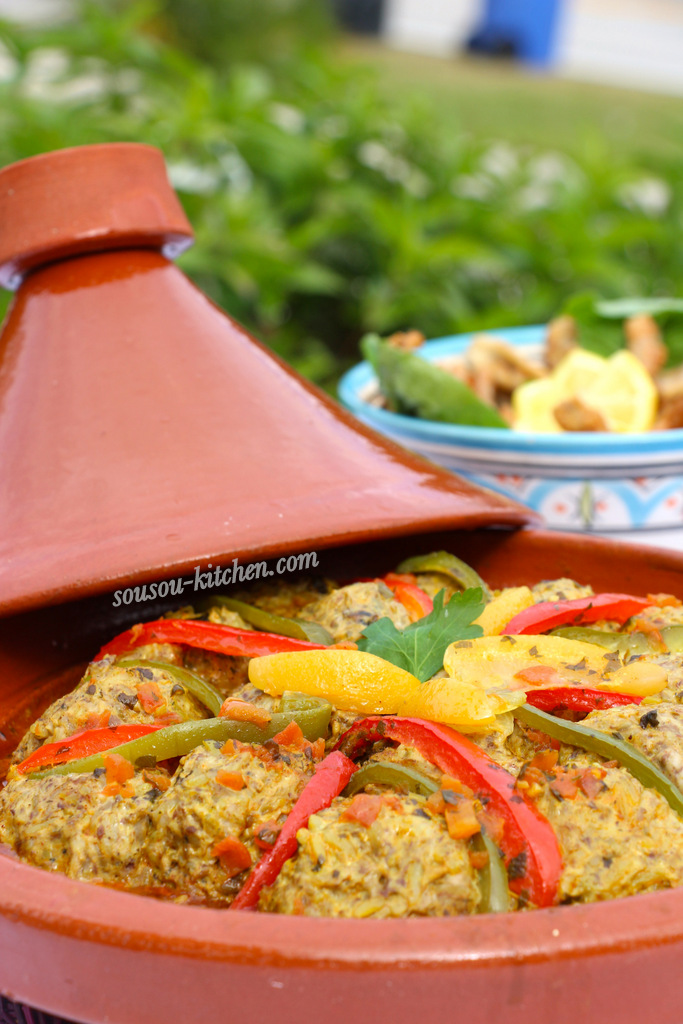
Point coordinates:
pixel 290 736
pixel 651 631
pixel 543 674
pixel 364 809
pixel 436 803
pixel 664 600
pixel 233 855
pixel 591 782
pixel 478 859
pixel 97 721
pixel 117 767
pixel 150 696
pixel 317 748
pixel 231 780
pixel 266 834
pixel 545 760
pixel 461 820
pixel 565 785
pixel 243 711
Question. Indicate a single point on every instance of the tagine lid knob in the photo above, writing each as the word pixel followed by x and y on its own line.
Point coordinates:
pixel 71 201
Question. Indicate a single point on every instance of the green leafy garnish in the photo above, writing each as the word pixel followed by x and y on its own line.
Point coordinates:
pixel 420 647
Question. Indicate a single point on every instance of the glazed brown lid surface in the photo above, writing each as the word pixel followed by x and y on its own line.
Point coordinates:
pixel 142 431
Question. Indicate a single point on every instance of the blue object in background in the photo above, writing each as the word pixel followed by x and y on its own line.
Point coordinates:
pixel 526 29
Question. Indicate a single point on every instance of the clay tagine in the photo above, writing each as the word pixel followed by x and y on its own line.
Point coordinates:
pixel 143 431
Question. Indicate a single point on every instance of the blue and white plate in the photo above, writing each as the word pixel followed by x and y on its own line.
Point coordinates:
pixel 577 481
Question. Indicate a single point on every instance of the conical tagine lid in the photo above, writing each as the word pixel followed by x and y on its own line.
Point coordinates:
pixel 141 430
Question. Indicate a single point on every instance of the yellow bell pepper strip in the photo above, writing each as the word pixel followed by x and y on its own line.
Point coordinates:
pixel 445 564
pixel 351 680
pixel 207 636
pixel 548 662
pixel 501 609
pixel 268 622
pixel 82 744
pixel 194 684
pixel 528 842
pixel 547 615
pixel 178 740
pixel 610 747
pixel 363 682
pixel 331 776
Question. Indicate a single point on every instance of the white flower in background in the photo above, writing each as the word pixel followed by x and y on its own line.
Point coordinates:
pixel 554 169
pixel 378 157
pixel 290 119
pixel 47 78
pixel 472 186
pixel 190 177
pixel 500 160
pixel 237 172
pixel 9 67
pixel 650 196
pixel 336 126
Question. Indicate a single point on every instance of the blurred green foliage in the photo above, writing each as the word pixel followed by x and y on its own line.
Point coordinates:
pixel 322 208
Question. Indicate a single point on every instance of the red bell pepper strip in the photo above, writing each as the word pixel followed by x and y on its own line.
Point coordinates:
pixel 331 776
pixel 573 698
pixel 546 615
pixel 528 842
pixel 83 744
pixel 207 636
pixel 415 601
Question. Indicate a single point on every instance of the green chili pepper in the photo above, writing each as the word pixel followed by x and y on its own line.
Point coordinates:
pixel 417 387
pixel 446 564
pixel 390 773
pixel 198 687
pixel 610 747
pixel 300 629
pixel 493 878
pixel 178 740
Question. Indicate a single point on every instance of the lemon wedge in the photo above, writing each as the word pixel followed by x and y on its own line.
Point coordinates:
pixel 619 388
pixel 624 393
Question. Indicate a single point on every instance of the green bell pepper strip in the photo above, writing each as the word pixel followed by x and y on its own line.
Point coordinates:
pixel 390 773
pixel 292 701
pixel 493 879
pixel 178 740
pixel 673 638
pixel 446 564
pixel 628 644
pixel 607 746
pixel 198 687
pixel 300 629
pixel 417 387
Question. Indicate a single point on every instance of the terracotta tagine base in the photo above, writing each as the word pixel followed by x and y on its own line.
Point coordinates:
pixel 92 954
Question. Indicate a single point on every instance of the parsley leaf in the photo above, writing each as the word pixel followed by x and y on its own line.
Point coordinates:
pixel 420 647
